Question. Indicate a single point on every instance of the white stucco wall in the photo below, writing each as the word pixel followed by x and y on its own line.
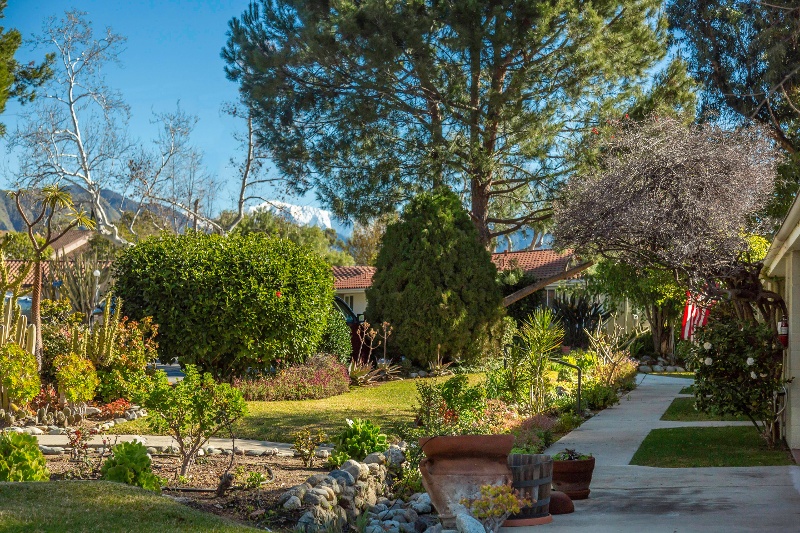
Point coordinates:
pixel 359 303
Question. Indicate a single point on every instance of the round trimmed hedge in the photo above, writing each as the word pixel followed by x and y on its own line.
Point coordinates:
pixel 227 304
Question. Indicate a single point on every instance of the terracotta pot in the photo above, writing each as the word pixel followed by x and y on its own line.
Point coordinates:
pixel 573 477
pixel 455 467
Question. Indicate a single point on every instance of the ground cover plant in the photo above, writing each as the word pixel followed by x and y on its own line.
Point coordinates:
pixel 319 377
pixel 99 506
pixel 696 447
pixel 684 410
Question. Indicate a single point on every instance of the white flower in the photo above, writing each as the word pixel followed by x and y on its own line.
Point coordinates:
pixel 708 361
pixel 750 361
pixel 707 345
pixel 349 422
pixel 753 375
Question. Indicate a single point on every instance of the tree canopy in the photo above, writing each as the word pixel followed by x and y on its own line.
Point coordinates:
pixel 371 102
pixel 325 243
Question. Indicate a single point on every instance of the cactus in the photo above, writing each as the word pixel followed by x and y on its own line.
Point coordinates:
pixel 60 418
pixel 49 419
pixel 41 414
pixel 10 419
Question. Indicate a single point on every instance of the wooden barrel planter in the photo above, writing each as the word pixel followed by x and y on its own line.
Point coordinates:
pixel 532 477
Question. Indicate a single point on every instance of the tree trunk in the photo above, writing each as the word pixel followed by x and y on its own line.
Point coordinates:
pixel 36 305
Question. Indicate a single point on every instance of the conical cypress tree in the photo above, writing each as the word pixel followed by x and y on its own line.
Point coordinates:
pixel 435 283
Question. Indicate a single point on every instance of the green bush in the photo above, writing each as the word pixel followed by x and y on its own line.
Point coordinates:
pixel 597 395
pixel 434 283
pixel 21 459
pixel 738 371
pixel 193 410
pixel 76 377
pixel 124 373
pixel 59 324
pixel 359 439
pixel 336 337
pixel 227 304
pixel 19 376
pixel 131 465
pixel 452 407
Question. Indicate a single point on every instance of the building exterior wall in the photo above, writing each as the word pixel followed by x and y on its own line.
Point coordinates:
pixel 355 298
pixel 791 295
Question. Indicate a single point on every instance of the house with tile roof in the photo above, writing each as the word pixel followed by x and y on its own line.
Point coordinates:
pixel 351 283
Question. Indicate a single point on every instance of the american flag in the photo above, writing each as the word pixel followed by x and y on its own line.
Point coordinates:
pixel 694 314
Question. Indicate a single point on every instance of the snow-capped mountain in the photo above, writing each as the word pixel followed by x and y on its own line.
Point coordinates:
pixel 306 215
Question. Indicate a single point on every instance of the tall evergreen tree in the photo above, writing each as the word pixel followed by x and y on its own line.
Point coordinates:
pixel 370 102
pixel 746 56
pixel 434 282
pixel 16 80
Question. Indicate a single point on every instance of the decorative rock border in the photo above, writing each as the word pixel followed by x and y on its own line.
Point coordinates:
pixel 359 491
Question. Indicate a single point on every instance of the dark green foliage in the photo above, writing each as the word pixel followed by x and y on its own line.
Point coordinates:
pixel 16 80
pixel 371 102
pixel 336 337
pixel 577 313
pixel 452 407
pixel 359 439
pixel 434 283
pixel 738 370
pixel 131 465
pixel 227 304
pixel 21 459
pixel 510 282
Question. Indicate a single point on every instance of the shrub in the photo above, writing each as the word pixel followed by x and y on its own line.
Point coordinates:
pixel 738 371
pixel 19 376
pixel 435 283
pixel 533 434
pixel 59 324
pixel 131 465
pixel 336 337
pixel 21 459
pixel 597 395
pixel 123 374
pixel 227 304
pixel 360 438
pixel 321 377
pixel 76 377
pixel 305 444
pixel 193 410
pixel 115 409
pixel 451 408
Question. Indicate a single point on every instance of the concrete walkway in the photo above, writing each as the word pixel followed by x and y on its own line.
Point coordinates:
pixel 163 442
pixel 634 499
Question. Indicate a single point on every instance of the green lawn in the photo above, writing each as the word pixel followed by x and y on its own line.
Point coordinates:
pixel 687 390
pixel 387 404
pixel 58 506
pixel 689 375
pixel 707 446
pixel 683 410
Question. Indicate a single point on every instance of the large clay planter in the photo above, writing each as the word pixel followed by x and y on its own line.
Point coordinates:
pixel 455 467
pixel 573 477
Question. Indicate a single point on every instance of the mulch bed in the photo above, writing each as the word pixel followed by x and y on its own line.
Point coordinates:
pixel 250 506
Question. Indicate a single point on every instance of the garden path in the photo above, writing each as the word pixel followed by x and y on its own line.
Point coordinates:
pixel 633 499
pixel 613 435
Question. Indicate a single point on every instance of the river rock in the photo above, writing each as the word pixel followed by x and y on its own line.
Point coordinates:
pixel 465 523
pixel 645 369
pixel 292 503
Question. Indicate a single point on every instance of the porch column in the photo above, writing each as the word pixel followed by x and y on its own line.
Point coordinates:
pixel 792 297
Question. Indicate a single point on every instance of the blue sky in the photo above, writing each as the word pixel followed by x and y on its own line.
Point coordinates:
pixel 172 53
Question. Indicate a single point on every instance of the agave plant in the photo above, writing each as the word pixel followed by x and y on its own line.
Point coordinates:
pixel 577 314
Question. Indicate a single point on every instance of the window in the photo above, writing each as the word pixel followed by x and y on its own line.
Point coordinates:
pixel 349 300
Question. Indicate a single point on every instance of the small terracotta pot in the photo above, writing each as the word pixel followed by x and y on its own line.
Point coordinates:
pixel 455 467
pixel 573 477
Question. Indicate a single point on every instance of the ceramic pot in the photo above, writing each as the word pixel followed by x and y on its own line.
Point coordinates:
pixel 573 477
pixel 455 467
